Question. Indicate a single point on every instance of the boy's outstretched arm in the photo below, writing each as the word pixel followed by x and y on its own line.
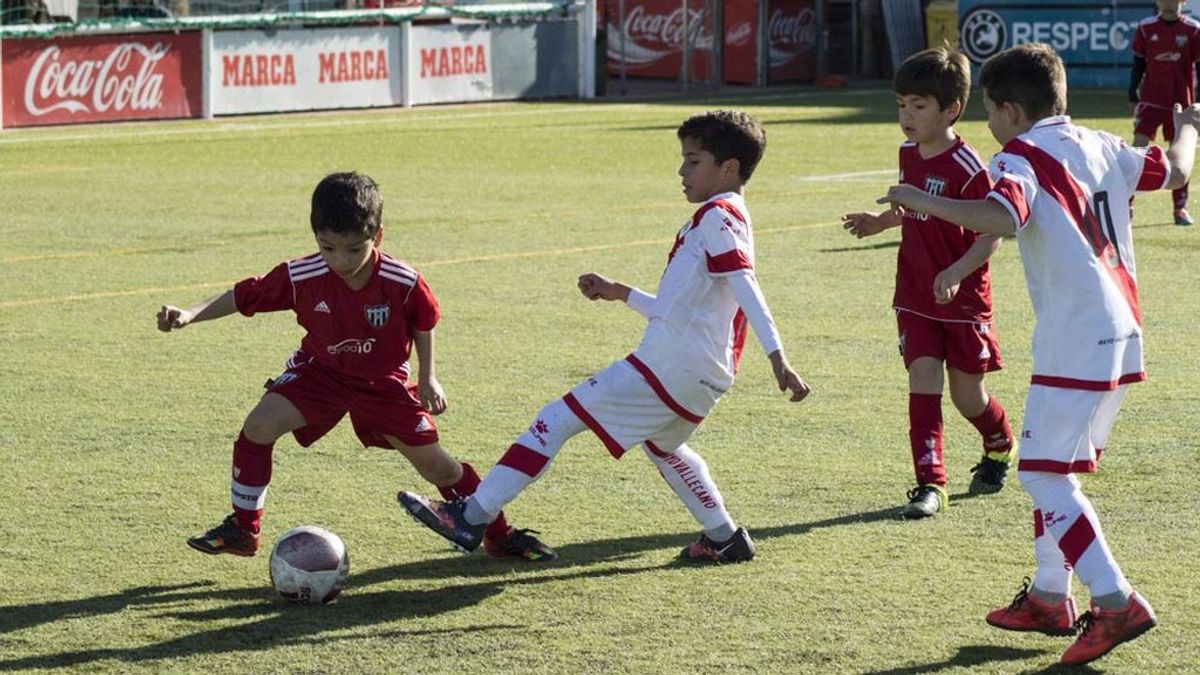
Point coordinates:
pixel 750 298
pixel 1182 151
pixel 984 216
pixel 598 287
pixel 430 391
pixel 172 318
pixel 867 224
pixel 945 284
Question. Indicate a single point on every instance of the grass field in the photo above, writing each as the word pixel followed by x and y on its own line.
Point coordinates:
pixel 116 438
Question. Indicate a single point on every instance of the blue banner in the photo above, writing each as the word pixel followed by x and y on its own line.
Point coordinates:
pixel 1092 37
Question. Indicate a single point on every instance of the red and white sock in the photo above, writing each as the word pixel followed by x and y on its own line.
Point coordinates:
pixel 526 459
pixel 993 426
pixel 925 437
pixel 1068 518
pixel 251 474
pixel 1053 573
pixel 687 474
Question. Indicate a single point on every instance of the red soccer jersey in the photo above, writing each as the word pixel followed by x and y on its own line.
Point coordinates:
pixel 929 245
pixel 1171 49
pixel 366 334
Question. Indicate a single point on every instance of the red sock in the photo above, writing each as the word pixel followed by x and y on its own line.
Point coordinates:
pixel 925 436
pixel 993 425
pixel 251 475
pixel 1180 197
pixel 465 487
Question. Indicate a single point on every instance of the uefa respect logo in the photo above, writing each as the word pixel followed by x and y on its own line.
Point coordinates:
pixel 983 34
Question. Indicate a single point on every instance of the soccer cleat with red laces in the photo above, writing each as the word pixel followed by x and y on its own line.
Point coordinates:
pixel 1027 613
pixel 519 544
pixel 445 518
pixel 738 548
pixel 228 537
pixel 1100 630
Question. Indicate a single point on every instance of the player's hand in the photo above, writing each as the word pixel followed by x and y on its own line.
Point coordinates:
pixel 945 286
pixel 864 224
pixel 787 379
pixel 172 318
pixel 597 287
pixel 433 397
pixel 906 196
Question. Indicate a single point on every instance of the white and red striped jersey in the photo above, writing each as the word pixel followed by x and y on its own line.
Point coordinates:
pixel 367 333
pixel 696 329
pixel 1068 189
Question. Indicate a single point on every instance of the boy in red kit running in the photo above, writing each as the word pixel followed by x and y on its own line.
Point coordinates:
pixel 1165 50
pixel 658 395
pixel 362 311
pixel 943 298
pixel 1062 190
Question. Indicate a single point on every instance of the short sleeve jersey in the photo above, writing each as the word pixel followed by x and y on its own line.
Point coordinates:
pixel 1067 189
pixel 366 334
pixel 1171 49
pixel 929 245
pixel 696 329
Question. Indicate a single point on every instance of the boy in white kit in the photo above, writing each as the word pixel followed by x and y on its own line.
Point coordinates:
pixel 659 394
pixel 1064 191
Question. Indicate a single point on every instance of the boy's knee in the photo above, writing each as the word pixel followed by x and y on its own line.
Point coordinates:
pixel 262 428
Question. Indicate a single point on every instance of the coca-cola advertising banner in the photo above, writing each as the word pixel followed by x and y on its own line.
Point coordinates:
pixel 650 40
pixel 253 71
pixel 449 63
pixel 101 79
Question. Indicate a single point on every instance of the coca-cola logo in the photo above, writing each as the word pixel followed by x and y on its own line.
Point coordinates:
pixel 668 29
pixel 797 31
pixel 125 79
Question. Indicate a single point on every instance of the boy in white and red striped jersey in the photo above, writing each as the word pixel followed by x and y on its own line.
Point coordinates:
pixel 363 311
pixel 1063 190
pixel 1165 49
pixel 659 394
pixel 943 298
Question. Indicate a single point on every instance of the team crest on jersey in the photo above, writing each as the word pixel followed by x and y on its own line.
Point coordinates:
pixel 1180 40
pixel 934 185
pixel 377 315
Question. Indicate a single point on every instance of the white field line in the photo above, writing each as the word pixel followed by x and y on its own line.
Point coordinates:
pixel 337 118
pixel 497 257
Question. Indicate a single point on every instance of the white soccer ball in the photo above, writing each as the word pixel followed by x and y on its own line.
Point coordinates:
pixel 309 565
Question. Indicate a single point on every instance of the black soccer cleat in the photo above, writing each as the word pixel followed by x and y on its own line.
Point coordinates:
pixel 989 476
pixel 924 501
pixel 228 537
pixel 445 518
pixel 738 548
pixel 519 544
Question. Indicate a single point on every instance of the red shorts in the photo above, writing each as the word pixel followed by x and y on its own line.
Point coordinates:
pixel 1147 119
pixel 376 408
pixel 969 347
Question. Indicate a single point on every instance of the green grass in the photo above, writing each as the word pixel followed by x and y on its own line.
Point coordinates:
pixel 116 438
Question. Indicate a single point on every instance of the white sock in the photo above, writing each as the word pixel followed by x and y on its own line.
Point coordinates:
pixel 1053 576
pixel 687 474
pixel 1068 518
pixel 525 461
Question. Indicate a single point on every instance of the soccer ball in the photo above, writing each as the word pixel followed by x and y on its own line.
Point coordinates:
pixel 309 565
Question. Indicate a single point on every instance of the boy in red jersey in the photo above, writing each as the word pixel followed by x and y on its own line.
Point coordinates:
pixel 362 311
pixel 1062 189
pixel 943 298
pixel 1165 50
pixel 657 396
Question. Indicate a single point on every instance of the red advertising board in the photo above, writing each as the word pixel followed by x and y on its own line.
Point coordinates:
pixel 651 39
pixel 102 79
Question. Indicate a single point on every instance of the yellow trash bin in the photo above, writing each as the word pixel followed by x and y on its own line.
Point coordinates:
pixel 941 23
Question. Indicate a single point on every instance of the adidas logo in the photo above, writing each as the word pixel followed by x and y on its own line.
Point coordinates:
pixel 322 307
pixel 424 425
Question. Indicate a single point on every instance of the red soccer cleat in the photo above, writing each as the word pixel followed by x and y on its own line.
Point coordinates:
pixel 1027 613
pixel 1103 629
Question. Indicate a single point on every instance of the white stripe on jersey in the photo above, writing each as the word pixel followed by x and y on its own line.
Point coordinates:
pixel 968 161
pixel 309 275
pixel 403 281
pixel 390 268
pixel 307 268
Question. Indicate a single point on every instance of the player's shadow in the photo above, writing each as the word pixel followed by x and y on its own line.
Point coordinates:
pixel 891 243
pixel 262 621
pixel 971 655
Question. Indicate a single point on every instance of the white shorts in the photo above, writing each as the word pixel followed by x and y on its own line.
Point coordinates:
pixel 623 409
pixel 1066 429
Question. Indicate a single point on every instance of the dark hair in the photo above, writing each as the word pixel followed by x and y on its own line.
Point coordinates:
pixel 728 134
pixel 347 203
pixel 944 74
pixel 1030 75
